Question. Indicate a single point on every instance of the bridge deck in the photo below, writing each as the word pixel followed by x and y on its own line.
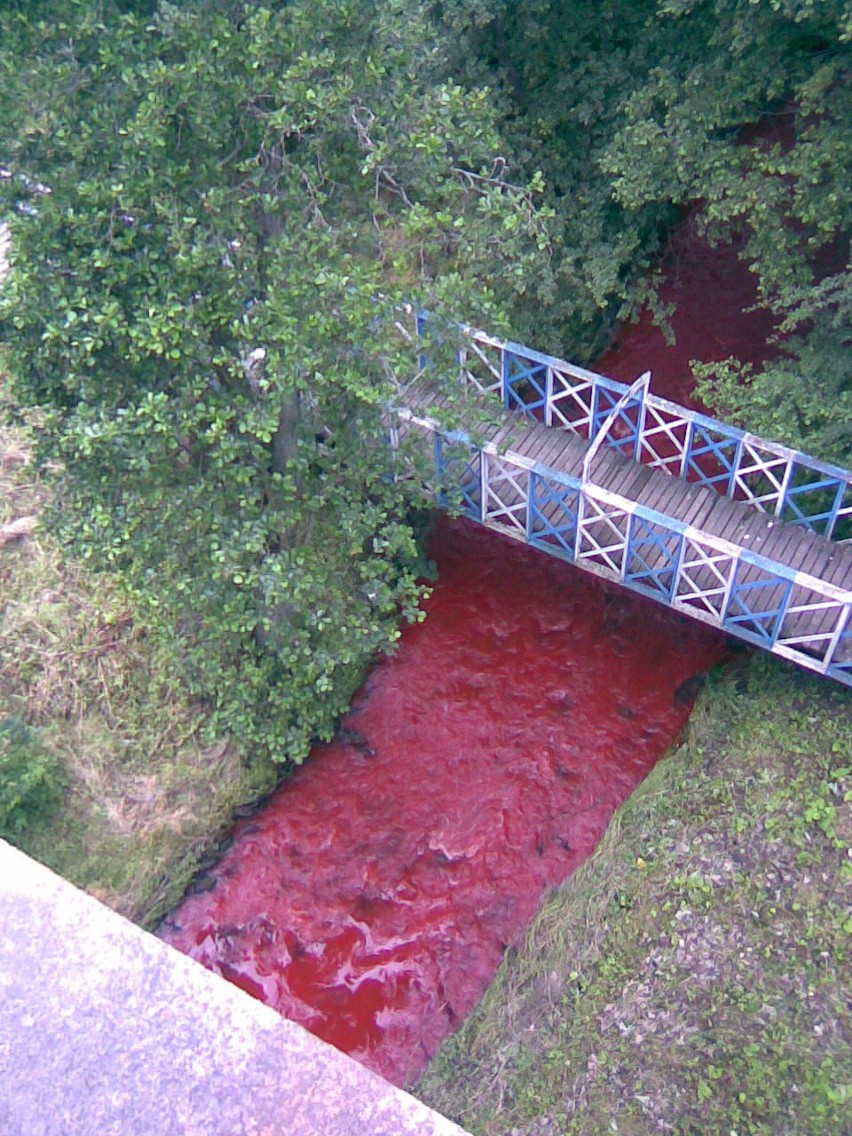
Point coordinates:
pixel 515 436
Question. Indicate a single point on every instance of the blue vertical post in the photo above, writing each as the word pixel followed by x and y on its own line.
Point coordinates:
pixel 440 469
pixel 677 564
pixel 419 324
pixel 782 611
pixel 687 449
pixel 735 465
pixel 640 423
pixel 835 508
pixel 786 481
pixel 581 498
pixel 593 412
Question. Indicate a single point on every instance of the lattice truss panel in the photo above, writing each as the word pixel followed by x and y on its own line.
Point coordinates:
pixel 703 578
pixel 572 402
pixel 663 439
pixel 817 625
pixel 673 439
pixel 760 477
pixel 819 502
pixel 458 466
pixel 711 457
pixel 841 658
pixel 653 555
pixel 756 604
pixel 526 383
pixel 506 492
pixel 555 512
pixel 603 534
pixel 624 430
pixel 482 366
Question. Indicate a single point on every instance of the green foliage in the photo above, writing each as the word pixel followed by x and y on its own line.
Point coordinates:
pixel 784 189
pixel 635 112
pixel 30 781
pixel 217 210
pixel 562 74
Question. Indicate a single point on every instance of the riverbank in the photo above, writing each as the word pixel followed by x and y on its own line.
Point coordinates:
pixel 692 976
pixel 107 772
pixel 689 977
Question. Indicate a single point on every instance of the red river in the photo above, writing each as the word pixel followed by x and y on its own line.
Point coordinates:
pixel 372 897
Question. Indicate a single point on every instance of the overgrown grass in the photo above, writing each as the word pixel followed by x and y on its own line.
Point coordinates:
pixel 131 794
pixel 693 976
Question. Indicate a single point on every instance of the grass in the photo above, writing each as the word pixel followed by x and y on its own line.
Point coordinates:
pixel 133 793
pixel 693 975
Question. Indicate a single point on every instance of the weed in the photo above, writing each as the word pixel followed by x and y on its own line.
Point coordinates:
pixel 29 778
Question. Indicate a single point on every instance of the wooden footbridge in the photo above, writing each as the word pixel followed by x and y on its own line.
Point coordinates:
pixel 739 532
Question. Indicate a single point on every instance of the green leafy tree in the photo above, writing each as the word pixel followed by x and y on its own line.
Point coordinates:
pixel 635 112
pixel 561 75
pixel 217 210
pixel 788 199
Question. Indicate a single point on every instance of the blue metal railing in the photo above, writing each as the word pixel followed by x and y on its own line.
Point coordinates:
pixel 683 443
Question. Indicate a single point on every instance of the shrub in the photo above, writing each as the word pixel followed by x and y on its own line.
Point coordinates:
pixel 30 777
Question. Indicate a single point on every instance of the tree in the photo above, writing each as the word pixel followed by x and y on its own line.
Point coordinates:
pixel 731 63
pixel 636 112
pixel 217 209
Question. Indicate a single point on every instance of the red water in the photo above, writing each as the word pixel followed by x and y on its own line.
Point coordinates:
pixel 714 295
pixel 373 896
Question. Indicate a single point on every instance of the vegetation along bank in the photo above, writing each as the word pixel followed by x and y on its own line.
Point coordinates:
pixel 216 209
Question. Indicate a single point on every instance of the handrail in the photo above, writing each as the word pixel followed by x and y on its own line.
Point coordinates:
pixel 683 443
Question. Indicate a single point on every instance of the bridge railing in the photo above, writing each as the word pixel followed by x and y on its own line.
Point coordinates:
pixel 683 443
pixel 791 613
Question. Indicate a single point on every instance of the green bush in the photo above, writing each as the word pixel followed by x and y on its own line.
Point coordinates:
pixel 29 777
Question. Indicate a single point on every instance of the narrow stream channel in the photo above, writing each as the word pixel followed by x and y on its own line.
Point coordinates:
pixel 373 896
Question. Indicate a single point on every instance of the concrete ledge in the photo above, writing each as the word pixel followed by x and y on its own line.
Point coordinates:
pixel 107 1031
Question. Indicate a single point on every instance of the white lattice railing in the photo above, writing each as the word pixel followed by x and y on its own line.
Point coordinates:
pixel 768 476
pixel 791 613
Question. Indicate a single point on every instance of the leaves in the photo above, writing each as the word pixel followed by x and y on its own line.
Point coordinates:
pixel 240 197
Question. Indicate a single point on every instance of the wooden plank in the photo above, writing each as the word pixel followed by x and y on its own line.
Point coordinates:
pixel 839 567
pixel 687 509
pixel 778 543
pixel 734 527
pixel 813 561
pixel 633 485
pixel 665 495
pixel 534 448
pixel 565 456
pixel 618 483
pixel 808 552
pixel 713 516
pixel 609 468
pixel 509 437
pixel 543 448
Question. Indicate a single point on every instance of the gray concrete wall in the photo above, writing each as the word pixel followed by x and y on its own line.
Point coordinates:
pixel 107 1031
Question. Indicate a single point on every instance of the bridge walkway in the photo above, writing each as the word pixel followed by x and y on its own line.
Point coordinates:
pixel 702 552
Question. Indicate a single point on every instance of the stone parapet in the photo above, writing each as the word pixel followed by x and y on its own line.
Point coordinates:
pixel 107 1031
